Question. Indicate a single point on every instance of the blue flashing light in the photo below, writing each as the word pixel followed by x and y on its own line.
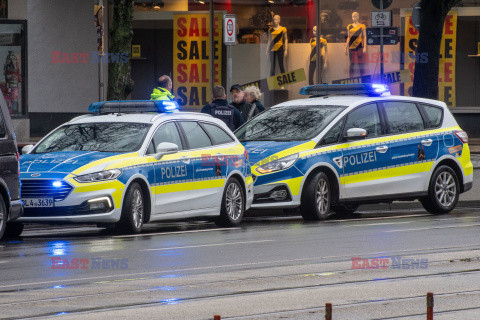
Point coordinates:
pixel 57 184
pixel 134 106
pixel 369 89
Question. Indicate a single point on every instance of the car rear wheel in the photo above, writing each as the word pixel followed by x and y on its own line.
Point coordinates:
pixel 13 229
pixel 443 192
pixel 133 211
pixel 233 204
pixel 3 217
pixel 316 198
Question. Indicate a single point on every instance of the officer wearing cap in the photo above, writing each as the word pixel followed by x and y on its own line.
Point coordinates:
pixel 239 102
pixel 220 109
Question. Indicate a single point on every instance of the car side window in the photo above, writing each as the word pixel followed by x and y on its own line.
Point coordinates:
pixel 403 117
pixel 196 136
pixel 366 117
pixel 434 114
pixel 333 135
pixel 217 134
pixel 165 133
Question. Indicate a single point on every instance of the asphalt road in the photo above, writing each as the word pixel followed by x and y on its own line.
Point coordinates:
pixel 270 268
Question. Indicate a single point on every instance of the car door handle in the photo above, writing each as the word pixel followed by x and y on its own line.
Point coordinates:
pixel 427 142
pixel 381 149
pixel 185 159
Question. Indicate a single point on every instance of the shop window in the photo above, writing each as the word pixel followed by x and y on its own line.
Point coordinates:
pixel 12 58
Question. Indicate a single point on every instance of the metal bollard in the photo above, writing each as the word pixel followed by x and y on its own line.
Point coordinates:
pixel 429 306
pixel 217 317
pixel 328 311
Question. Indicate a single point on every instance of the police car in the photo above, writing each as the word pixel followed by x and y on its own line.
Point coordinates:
pixel 131 162
pixel 354 144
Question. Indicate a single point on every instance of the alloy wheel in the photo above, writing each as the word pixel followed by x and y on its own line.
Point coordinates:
pixel 137 209
pixel 234 201
pixel 445 189
pixel 321 196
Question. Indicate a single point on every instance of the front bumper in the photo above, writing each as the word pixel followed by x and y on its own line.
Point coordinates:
pixel 276 195
pixel 76 208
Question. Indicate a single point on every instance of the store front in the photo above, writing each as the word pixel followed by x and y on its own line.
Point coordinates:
pixel 276 49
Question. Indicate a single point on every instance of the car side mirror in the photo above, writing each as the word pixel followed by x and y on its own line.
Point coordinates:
pixel 27 149
pixel 165 148
pixel 356 134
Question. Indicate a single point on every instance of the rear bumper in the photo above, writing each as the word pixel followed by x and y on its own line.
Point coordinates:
pixel 16 210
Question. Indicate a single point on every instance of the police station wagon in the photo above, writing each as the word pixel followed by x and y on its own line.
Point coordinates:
pixel 131 162
pixel 354 144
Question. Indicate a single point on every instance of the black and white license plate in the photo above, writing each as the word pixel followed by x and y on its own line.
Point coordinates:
pixel 38 202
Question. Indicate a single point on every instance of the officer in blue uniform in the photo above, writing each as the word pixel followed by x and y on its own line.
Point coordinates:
pixel 220 109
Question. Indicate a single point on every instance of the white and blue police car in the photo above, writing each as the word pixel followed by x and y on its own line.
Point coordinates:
pixel 352 144
pixel 131 162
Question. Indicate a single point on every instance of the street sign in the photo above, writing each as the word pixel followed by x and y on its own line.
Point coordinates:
pixel 381 19
pixel 416 15
pixel 386 4
pixel 390 36
pixel 229 29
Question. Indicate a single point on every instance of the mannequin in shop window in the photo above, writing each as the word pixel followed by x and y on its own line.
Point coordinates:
pixel 277 46
pixel 356 45
pixel 313 57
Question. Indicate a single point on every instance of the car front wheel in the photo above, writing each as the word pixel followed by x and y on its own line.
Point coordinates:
pixel 317 198
pixel 443 192
pixel 133 211
pixel 233 204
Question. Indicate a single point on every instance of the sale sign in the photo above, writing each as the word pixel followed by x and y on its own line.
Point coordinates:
pixel 446 77
pixel 191 57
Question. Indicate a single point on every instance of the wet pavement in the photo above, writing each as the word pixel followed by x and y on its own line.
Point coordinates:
pixel 270 268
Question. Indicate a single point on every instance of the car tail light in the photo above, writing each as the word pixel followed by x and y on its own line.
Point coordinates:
pixel 245 153
pixel 462 135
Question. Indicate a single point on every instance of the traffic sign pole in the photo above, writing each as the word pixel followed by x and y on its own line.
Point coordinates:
pixel 381 47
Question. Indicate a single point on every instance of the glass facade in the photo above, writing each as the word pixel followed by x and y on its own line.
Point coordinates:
pixel 277 48
pixel 12 57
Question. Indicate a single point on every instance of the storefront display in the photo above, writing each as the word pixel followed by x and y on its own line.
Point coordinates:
pixel 356 45
pixel 277 40
pixel 313 56
pixel 12 84
pixel 277 47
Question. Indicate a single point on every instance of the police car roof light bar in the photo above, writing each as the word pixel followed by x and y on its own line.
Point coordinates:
pixel 370 89
pixel 134 106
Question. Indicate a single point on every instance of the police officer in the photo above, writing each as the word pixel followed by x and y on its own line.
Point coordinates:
pixel 162 92
pixel 220 109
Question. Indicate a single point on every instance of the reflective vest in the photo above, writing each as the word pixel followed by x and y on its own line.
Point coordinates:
pixel 160 93
pixel 224 113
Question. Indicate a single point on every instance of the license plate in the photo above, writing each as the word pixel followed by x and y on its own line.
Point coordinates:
pixel 38 202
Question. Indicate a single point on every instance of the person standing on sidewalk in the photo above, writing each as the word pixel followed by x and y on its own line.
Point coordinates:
pixel 220 109
pixel 239 102
pixel 163 91
pixel 252 96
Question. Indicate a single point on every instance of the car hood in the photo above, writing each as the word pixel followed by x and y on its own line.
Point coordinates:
pixel 58 163
pixel 259 150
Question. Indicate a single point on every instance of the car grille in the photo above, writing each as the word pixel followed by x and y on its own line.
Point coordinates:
pixel 44 188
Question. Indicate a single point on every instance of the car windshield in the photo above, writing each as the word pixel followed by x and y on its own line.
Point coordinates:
pixel 292 123
pixel 101 136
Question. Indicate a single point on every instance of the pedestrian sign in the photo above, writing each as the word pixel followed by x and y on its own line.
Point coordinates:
pixel 229 29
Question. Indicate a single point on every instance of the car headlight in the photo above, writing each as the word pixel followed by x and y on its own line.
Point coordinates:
pixel 277 165
pixel 99 176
